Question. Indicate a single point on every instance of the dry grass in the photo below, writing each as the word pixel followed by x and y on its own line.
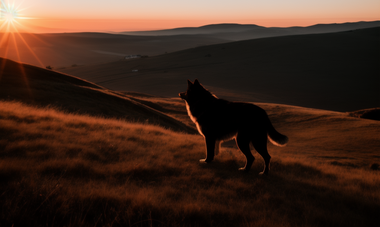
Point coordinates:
pixel 60 169
pixel 41 87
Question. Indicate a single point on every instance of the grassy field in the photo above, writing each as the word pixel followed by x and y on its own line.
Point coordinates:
pixel 62 169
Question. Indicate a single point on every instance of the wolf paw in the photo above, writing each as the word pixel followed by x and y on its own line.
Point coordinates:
pixel 243 169
pixel 204 160
pixel 264 173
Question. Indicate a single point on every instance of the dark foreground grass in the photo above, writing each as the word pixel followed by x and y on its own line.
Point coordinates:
pixel 59 169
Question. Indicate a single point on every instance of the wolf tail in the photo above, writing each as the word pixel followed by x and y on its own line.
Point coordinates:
pixel 275 137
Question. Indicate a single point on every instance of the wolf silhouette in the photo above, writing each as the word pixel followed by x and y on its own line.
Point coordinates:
pixel 218 120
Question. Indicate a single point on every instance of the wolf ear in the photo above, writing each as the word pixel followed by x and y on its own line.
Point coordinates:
pixel 189 83
pixel 196 82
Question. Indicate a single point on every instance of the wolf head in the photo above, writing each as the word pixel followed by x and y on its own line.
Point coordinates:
pixel 195 92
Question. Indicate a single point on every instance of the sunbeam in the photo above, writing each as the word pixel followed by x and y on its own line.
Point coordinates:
pixel 21 66
pixel 9 21
pixel 9 13
pixel 4 42
pixel 30 49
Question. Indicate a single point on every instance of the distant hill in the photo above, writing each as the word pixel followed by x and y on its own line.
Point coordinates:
pixel 60 50
pixel 207 29
pixel 40 87
pixel 250 31
pixel 335 71
pixel 71 49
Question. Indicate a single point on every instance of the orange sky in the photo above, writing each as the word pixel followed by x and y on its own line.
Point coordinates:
pixel 117 15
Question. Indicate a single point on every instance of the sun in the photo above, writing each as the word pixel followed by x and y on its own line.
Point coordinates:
pixel 10 16
pixel 13 28
pixel 9 13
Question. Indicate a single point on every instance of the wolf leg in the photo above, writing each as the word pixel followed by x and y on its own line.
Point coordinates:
pixel 260 144
pixel 243 145
pixel 210 149
pixel 217 146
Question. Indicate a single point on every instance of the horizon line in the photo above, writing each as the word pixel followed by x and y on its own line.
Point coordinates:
pixel 50 30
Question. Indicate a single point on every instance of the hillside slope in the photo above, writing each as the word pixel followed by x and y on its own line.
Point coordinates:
pixel 68 49
pixel 340 135
pixel 41 87
pixel 335 71
pixel 60 169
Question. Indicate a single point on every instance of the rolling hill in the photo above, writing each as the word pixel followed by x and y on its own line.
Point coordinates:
pixel 70 49
pixel 334 71
pixel 238 32
pixel 63 165
pixel 60 50
pixel 41 87
pixel 64 169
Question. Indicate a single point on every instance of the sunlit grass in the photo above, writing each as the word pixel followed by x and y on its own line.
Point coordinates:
pixel 59 169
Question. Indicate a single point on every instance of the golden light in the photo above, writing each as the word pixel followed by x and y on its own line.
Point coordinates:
pixel 11 35
pixel 10 24
pixel 10 16
pixel 8 12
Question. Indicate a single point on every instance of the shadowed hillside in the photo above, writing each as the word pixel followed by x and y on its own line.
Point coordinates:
pixel 71 49
pixel 41 87
pixel 337 132
pixel 60 169
pixel 336 71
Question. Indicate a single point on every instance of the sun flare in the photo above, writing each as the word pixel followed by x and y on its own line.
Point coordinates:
pixel 10 13
pixel 10 16
pixel 12 32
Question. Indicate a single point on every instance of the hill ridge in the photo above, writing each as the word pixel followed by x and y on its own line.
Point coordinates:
pixel 37 86
pixel 250 31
